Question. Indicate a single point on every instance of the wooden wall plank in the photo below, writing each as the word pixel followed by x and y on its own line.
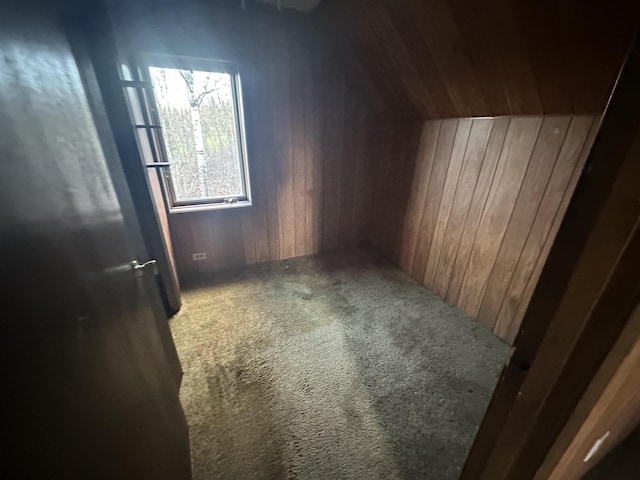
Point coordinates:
pixel 376 53
pixel 383 163
pixel 438 101
pixel 437 178
pixel 550 208
pixel 258 217
pixel 576 43
pixel 512 165
pixel 426 156
pixel 314 166
pixel 248 236
pixel 227 234
pixel 333 149
pixel 476 147
pixel 271 200
pixel 546 53
pixel 444 41
pixel 364 178
pixel 410 138
pixel 485 60
pixel 485 180
pixel 297 92
pixel 515 68
pixel 390 202
pixel 420 183
pixel 202 244
pixel 533 279
pixel 394 182
pixel 446 201
pixel 181 233
pixel 283 145
pixel 543 159
pixel 346 171
pixel 373 23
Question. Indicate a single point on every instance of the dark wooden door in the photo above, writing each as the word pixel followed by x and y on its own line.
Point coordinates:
pixel 89 380
pixel 94 39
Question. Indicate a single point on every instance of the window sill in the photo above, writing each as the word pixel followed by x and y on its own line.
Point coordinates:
pixel 207 207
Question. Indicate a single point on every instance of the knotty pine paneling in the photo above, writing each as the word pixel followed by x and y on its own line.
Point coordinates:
pixel 309 118
pixel 482 206
pixel 459 58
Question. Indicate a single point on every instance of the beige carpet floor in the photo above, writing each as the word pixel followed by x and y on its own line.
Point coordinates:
pixel 330 367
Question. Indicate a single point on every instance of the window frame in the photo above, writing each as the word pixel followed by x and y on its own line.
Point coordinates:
pixel 197 64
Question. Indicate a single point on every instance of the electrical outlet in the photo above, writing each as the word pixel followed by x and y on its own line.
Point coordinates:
pixel 197 257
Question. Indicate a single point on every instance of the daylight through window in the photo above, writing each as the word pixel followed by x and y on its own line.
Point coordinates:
pixel 200 116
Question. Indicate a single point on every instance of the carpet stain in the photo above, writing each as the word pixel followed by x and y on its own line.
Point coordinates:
pixel 330 367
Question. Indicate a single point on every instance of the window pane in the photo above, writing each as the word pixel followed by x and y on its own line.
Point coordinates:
pixel 143 144
pixel 125 72
pixel 150 152
pixel 196 110
pixel 135 109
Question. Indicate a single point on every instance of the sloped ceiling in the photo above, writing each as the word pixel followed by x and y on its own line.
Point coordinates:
pixel 457 58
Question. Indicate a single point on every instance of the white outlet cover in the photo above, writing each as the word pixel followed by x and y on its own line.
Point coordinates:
pixel 199 256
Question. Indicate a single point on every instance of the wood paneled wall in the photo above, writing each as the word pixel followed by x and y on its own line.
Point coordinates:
pixel 476 218
pixel 459 58
pixel 309 116
pixel 323 167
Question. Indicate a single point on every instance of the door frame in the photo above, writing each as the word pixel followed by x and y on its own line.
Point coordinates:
pixel 583 300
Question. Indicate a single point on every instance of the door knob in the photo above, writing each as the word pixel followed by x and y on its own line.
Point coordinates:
pixel 139 269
